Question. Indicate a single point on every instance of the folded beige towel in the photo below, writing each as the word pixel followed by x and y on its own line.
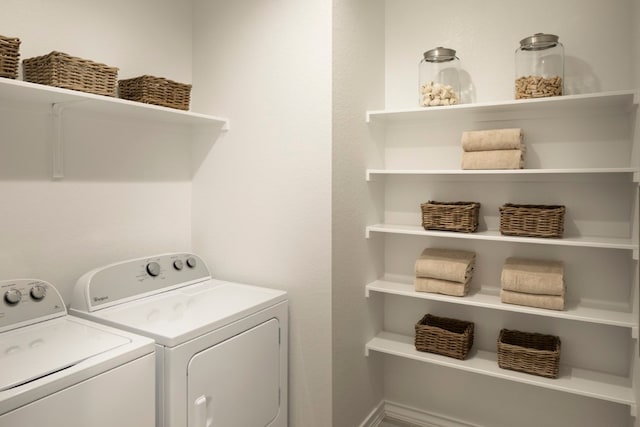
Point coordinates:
pixel 445 264
pixel 493 139
pixel 533 276
pixel 553 302
pixel 496 159
pixel 437 286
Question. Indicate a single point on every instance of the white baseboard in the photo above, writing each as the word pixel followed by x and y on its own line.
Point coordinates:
pixel 375 417
pixel 418 417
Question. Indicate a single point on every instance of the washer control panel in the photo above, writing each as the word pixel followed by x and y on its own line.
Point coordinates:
pixel 26 301
pixel 128 280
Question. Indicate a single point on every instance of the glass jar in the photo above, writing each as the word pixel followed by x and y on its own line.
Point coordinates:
pixel 539 67
pixel 439 78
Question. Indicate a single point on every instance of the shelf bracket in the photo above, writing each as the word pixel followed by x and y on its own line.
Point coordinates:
pixel 633 410
pixel 57 148
pixel 635 254
pixel 634 332
pixel 57 135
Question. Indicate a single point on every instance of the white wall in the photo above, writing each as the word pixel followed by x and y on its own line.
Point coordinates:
pixel 117 201
pixel 358 85
pixel 262 204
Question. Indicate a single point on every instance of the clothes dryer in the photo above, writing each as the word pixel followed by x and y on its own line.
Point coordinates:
pixel 221 347
pixel 58 370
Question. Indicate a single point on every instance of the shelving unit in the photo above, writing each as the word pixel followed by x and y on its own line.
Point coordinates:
pixel 500 174
pixel 58 100
pixel 494 235
pixel 619 101
pixel 623 106
pixel 621 316
pixel 571 380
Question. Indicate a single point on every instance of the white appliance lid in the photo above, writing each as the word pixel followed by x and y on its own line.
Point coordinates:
pixel 179 315
pixel 38 350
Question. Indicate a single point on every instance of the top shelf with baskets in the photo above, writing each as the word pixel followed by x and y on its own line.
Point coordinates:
pixel 17 91
pixel 611 101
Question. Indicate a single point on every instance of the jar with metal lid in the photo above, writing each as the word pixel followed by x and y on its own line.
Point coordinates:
pixel 539 67
pixel 439 78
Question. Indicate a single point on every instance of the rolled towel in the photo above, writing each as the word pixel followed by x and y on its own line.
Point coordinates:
pixel 437 286
pixel 533 276
pixel 493 139
pixel 445 264
pixel 552 302
pixel 496 159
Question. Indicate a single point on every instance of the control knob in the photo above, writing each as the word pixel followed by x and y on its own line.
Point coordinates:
pixel 12 296
pixel 153 268
pixel 191 262
pixel 178 264
pixel 38 292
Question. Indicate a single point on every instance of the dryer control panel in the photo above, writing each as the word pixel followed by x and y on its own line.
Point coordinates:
pixel 134 279
pixel 27 301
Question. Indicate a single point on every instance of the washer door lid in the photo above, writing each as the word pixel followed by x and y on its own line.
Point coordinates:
pixel 35 351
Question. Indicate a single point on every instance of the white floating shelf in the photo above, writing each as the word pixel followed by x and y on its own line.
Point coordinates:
pixel 18 91
pixel 589 242
pixel 57 101
pixel 370 173
pixel 571 380
pixel 611 101
pixel 478 298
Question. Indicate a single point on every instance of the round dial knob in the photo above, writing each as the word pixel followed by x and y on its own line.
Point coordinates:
pixel 38 292
pixel 178 264
pixel 191 262
pixel 13 296
pixel 153 268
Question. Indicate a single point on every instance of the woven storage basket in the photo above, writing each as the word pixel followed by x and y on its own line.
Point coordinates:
pixel 532 220
pixel 157 91
pixel 62 70
pixel 450 216
pixel 441 335
pixel 9 57
pixel 529 352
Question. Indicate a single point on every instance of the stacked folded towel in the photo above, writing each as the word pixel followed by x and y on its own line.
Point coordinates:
pixel 444 271
pixel 493 149
pixel 534 283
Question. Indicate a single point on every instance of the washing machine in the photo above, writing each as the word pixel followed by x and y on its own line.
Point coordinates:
pixel 221 347
pixel 58 370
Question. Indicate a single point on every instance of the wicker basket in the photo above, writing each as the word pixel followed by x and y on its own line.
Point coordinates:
pixel 441 335
pixel 62 70
pixel 450 216
pixel 532 220
pixel 529 352
pixel 156 90
pixel 9 57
